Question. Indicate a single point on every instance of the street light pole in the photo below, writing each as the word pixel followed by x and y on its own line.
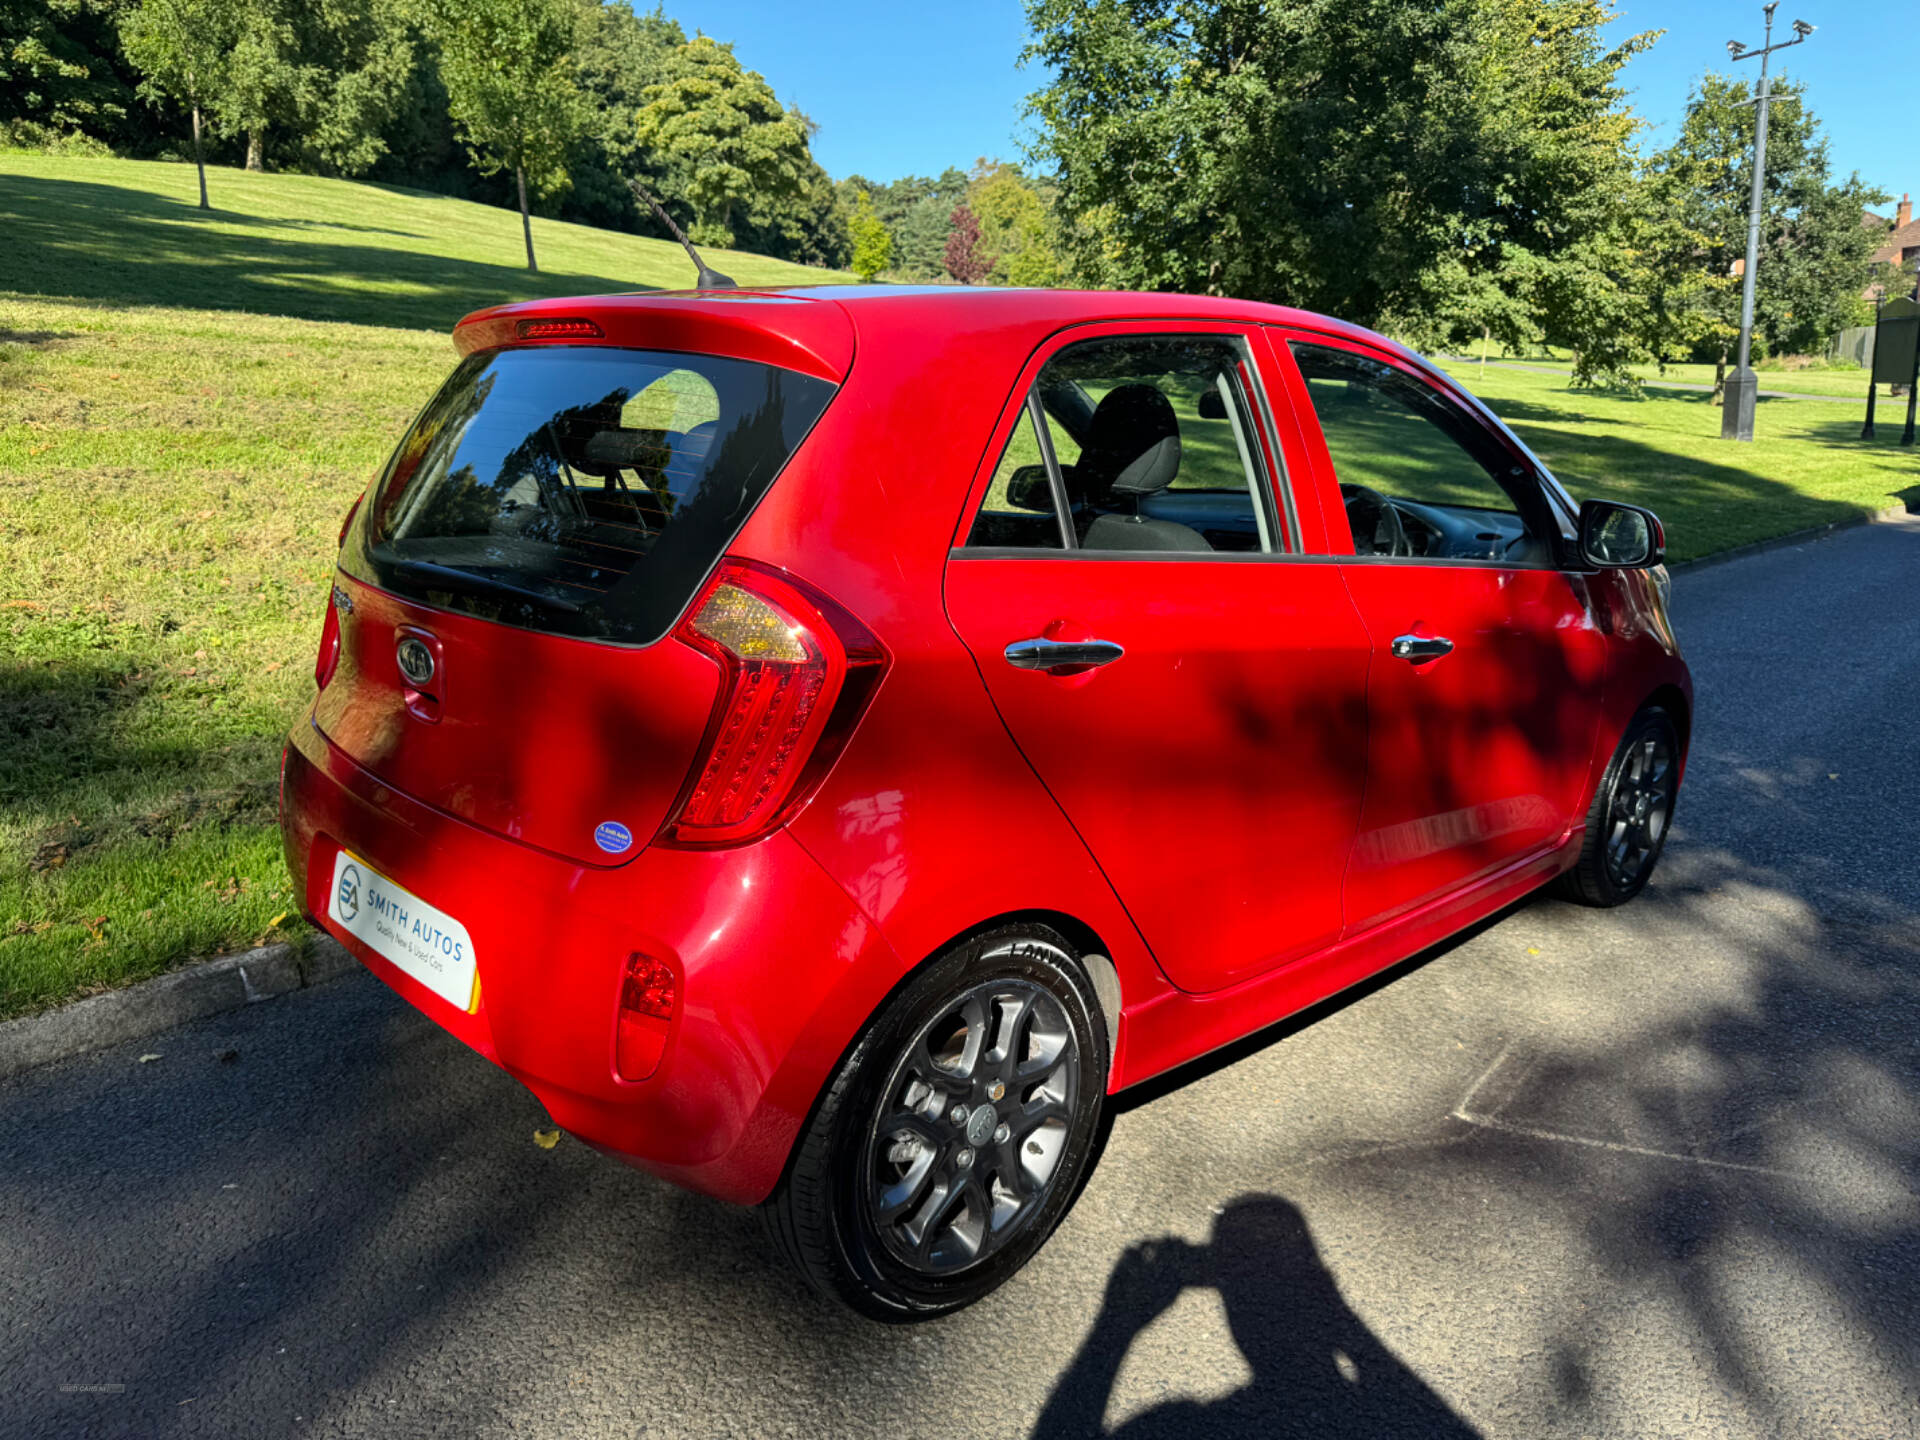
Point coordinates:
pixel 1743 388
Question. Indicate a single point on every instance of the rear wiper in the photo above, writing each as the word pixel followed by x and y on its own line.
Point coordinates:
pixel 481 584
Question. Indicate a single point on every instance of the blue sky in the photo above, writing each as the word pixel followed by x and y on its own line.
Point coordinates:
pixel 910 89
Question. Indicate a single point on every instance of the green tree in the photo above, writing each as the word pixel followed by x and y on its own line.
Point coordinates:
pixel 508 72
pixel 52 71
pixel 1015 226
pixel 872 244
pixel 1815 255
pixel 183 49
pixel 358 57
pixel 266 81
pixel 918 211
pixel 617 54
pixel 741 147
pixel 1441 168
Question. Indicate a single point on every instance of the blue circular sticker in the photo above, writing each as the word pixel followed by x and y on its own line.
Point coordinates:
pixel 613 837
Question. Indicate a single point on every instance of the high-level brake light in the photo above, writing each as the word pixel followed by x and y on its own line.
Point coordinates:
pixel 558 330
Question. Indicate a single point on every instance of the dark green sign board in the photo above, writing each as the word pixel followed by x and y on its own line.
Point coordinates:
pixel 1895 339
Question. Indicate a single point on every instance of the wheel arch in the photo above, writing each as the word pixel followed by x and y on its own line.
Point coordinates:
pixel 1089 950
pixel 1673 700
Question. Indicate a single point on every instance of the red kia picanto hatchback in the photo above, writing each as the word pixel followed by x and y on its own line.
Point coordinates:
pixel 825 742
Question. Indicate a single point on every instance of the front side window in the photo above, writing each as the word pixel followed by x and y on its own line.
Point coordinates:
pixel 1149 442
pixel 581 490
pixel 1419 478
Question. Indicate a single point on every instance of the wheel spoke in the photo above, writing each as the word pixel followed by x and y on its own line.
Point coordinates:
pixel 1032 1116
pixel 1012 1020
pixel 925 1227
pixel 906 1192
pixel 978 1017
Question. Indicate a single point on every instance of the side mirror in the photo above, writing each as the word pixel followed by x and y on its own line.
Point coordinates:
pixel 1029 489
pixel 1620 537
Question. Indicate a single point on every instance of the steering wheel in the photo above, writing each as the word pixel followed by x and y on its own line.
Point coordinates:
pixel 1375 523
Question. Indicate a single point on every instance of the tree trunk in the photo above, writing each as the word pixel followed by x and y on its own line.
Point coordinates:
pixel 256 143
pixel 1720 379
pixel 199 164
pixel 526 221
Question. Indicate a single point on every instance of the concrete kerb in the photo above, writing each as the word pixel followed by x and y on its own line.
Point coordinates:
pixel 207 988
pixel 1792 538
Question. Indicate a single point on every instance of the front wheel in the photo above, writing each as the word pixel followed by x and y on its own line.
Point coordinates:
pixel 955 1134
pixel 1631 812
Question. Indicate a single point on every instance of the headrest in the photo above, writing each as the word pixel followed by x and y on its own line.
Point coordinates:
pixel 1133 445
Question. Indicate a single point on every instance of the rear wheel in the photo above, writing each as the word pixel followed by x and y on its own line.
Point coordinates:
pixel 1631 812
pixel 955 1135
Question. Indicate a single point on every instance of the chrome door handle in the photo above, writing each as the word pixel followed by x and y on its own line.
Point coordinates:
pixel 1421 647
pixel 1050 655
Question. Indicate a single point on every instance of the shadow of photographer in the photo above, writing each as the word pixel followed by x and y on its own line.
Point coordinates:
pixel 1317 1369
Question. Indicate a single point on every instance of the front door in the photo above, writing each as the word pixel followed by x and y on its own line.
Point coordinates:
pixel 1193 697
pixel 1487 665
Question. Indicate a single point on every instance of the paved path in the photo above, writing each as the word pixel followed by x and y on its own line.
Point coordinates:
pixel 1647 1172
pixel 1860 400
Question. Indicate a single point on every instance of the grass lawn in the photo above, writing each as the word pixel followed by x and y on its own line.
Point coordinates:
pixel 130 232
pixel 1806 466
pixel 173 475
pixel 1845 382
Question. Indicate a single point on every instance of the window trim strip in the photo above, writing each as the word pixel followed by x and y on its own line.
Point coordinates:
pixel 1056 482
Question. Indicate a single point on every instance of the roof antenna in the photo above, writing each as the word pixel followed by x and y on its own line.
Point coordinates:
pixel 707 279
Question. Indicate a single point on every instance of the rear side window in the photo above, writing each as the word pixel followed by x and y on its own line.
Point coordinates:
pixel 580 490
pixel 1150 442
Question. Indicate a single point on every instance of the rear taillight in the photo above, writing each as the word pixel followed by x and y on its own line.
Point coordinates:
pixel 797 673
pixel 649 992
pixel 329 656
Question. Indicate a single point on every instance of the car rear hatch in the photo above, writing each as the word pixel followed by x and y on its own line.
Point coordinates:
pixel 500 645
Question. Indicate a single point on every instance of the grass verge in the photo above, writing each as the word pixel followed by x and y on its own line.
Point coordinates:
pixel 171 482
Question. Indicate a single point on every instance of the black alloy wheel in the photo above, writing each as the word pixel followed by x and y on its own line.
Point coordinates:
pixel 971 1127
pixel 1631 813
pixel 956 1133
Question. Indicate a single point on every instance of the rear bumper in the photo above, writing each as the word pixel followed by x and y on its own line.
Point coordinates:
pixel 776 966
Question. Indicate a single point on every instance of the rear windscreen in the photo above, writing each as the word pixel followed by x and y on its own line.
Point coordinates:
pixel 580 490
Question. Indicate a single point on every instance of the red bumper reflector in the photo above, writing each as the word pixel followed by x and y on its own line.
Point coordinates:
pixel 649 991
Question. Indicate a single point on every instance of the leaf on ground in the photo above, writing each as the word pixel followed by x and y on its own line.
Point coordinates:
pixel 546 1139
pixel 148 1059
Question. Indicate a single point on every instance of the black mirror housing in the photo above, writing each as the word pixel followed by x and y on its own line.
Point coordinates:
pixel 1614 536
pixel 1030 489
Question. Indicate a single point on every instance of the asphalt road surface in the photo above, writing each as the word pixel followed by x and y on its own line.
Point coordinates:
pixel 1640 1173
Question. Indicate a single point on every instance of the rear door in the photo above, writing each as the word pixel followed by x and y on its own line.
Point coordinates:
pixel 1487 664
pixel 1130 582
